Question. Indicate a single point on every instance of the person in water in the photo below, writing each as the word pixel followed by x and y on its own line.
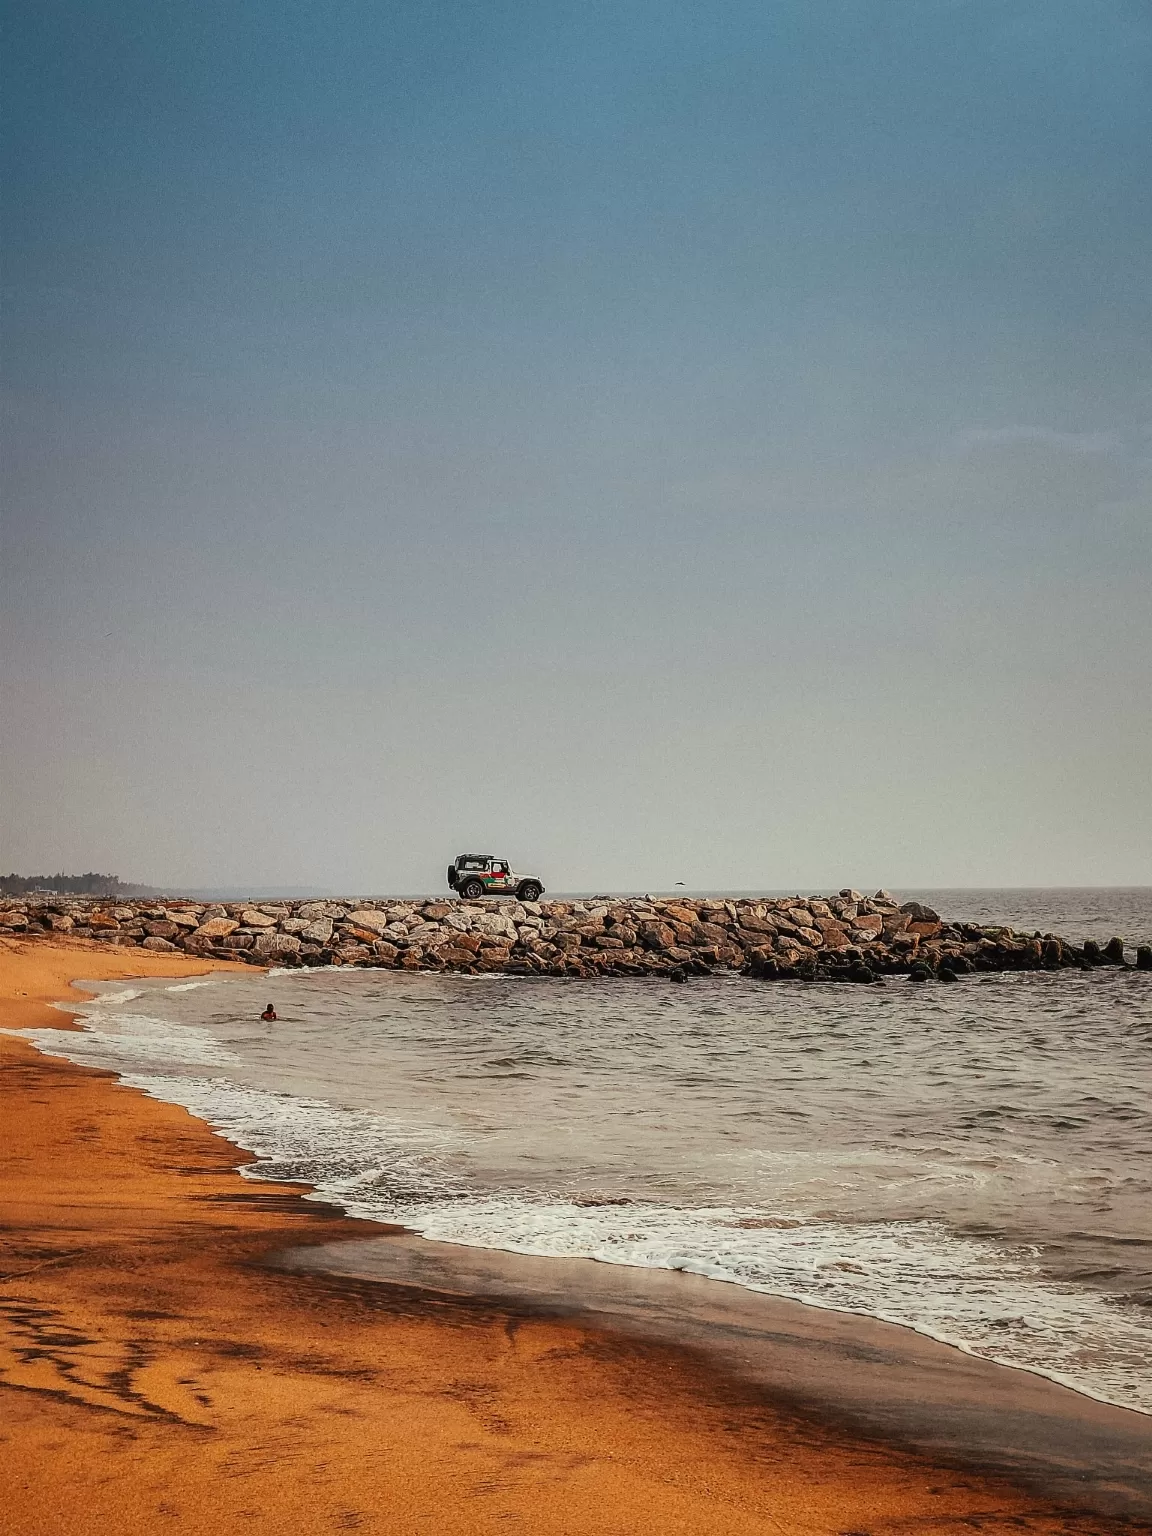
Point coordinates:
pixel 269 1013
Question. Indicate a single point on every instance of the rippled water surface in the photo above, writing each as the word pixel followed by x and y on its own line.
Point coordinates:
pixel 974 1161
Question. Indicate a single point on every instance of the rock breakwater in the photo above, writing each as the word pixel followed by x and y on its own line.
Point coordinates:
pixel 846 937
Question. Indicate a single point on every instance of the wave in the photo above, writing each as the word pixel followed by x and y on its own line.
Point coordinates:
pixel 973 1292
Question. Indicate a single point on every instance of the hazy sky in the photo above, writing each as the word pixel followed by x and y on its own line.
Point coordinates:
pixel 657 441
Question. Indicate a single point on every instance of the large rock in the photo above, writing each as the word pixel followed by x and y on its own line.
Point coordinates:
pixel 835 934
pixel 349 931
pixel 159 945
pixel 427 933
pixel 183 917
pixel 252 917
pixel 319 931
pixel 367 917
pixel 217 928
pixel 754 922
pixel 918 913
pixel 493 923
pixel 271 946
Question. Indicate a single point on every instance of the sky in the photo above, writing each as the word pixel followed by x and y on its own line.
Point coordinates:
pixel 654 441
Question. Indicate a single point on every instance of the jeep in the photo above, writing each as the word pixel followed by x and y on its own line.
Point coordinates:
pixel 479 874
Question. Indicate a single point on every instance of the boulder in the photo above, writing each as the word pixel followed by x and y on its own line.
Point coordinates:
pixel 349 931
pixel 183 917
pixel 1114 951
pixel 368 918
pixel 756 922
pixel 430 933
pixel 318 931
pixel 868 926
pixel 1144 957
pixel 252 917
pixel 103 922
pixel 274 946
pixel 683 915
pixel 160 928
pixel 835 934
pixel 217 928
pixel 495 923
pixel 457 957
pixel 917 912
pixel 161 946
pixel 925 930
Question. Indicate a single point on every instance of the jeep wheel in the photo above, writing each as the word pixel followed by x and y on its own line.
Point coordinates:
pixel 530 890
pixel 471 889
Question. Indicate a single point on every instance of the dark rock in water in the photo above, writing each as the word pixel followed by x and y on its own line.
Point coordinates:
pixel 960 964
pixel 861 972
pixel 946 973
pixel 1052 954
pixel 1144 957
pixel 1114 951
pixel 677 973
pixel 1092 952
pixel 920 972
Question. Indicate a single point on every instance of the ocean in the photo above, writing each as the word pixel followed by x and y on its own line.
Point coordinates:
pixel 971 1161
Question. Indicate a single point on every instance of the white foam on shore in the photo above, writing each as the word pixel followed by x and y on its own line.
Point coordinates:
pixel 972 1293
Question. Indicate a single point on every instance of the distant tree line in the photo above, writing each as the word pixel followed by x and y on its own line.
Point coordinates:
pixel 71 885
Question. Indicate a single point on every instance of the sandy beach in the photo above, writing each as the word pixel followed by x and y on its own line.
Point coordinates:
pixel 163 1370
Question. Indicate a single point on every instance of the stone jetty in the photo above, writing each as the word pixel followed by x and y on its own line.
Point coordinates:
pixel 846 937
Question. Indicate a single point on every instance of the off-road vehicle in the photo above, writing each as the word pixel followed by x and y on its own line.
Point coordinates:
pixel 479 874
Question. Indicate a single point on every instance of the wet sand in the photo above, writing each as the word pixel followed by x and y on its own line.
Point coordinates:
pixel 166 1365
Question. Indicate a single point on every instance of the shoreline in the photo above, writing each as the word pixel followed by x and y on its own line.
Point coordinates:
pixel 156 1318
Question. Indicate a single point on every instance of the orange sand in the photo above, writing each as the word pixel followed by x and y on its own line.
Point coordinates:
pixel 158 1378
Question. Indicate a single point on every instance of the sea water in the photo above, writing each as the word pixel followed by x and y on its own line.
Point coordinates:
pixel 972 1161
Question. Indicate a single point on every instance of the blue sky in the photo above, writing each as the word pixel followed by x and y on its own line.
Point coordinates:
pixel 659 441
